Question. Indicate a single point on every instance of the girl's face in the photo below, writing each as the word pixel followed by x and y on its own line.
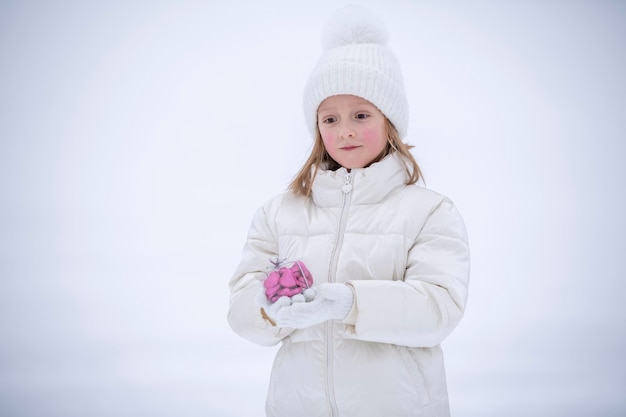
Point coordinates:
pixel 352 129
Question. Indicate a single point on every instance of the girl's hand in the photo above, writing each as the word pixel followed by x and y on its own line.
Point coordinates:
pixel 270 310
pixel 332 302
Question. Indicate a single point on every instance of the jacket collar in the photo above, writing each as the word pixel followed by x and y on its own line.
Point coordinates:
pixel 369 185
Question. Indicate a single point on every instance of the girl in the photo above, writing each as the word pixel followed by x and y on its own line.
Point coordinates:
pixel 389 259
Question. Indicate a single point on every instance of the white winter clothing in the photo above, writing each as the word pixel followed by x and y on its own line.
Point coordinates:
pixel 404 251
pixel 333 301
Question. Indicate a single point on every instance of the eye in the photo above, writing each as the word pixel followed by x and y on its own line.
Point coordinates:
pixel 329 120
pixel 362 116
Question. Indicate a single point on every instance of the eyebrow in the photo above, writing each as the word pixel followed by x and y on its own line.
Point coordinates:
pixel 325 109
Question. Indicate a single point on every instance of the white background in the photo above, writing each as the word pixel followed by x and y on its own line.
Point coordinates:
pixel 137 138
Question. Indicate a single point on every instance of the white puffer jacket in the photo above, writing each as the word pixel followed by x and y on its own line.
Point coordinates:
pixel 404 250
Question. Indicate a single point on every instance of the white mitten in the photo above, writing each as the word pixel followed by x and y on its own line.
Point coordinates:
pixel 270 310
pixel 331 302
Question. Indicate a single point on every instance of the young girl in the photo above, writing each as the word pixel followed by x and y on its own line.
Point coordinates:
pixel 389 259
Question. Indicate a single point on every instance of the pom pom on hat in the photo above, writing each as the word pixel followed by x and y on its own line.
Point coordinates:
pixel 352 25
pixel 357 61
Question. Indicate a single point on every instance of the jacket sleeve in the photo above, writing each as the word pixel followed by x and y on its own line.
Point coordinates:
pixel 426 306
pixel 244 314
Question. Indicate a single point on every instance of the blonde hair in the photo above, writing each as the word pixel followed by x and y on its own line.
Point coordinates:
pixel 303 181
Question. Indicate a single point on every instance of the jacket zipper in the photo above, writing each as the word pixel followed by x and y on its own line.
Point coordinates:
pixel 345 204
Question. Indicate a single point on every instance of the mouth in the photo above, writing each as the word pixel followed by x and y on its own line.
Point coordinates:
pixel 349 148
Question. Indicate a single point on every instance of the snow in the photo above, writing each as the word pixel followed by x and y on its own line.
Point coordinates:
pixel 138 138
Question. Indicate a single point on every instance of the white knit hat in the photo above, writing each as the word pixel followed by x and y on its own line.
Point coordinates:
pixel 357 61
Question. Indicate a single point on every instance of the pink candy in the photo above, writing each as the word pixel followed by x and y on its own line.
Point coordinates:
pixel 287 281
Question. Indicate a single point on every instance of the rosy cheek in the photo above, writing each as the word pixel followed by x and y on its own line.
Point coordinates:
pixel 328 137
pixel 370 135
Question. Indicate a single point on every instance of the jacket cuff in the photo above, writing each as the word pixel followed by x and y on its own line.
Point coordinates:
pixel 350 319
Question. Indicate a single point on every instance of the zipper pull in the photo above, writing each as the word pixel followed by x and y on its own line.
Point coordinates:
pixel 347 187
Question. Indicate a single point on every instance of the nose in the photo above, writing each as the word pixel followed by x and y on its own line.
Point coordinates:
pixel 346 131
